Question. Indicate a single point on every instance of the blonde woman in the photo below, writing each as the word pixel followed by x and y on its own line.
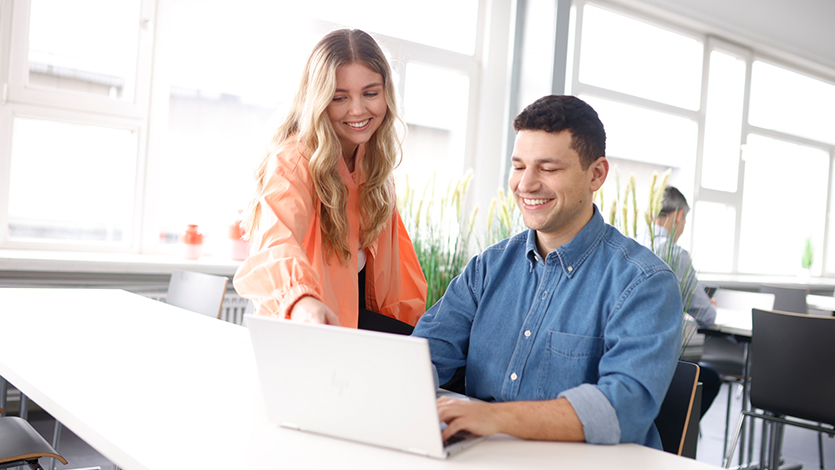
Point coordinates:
pixel 330 246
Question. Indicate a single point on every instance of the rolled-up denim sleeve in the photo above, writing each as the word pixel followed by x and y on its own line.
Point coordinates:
pixel 600 421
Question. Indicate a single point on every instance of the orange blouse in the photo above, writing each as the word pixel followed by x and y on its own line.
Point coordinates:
pixel 288 262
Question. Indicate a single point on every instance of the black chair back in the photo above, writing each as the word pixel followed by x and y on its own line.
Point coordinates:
pixel 792 368
pixel 678 410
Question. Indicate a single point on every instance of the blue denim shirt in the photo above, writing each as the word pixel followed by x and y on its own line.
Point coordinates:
pixel 598 321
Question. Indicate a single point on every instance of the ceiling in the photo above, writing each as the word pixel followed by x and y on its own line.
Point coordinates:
pixel 802 28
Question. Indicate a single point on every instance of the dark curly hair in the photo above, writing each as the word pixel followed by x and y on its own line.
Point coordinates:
pixel 557 113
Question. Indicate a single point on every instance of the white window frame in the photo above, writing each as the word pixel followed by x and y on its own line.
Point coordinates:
pixel 750 54
pixel 13 110
pixel 20 91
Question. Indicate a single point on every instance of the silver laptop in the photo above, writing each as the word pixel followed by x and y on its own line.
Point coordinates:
pixel 370 387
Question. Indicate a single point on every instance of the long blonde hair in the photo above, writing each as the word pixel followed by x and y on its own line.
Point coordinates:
pixel 308 120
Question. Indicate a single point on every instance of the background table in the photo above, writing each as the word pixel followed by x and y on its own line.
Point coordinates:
pixel 152 386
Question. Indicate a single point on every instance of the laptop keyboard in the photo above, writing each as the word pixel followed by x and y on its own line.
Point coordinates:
pixel 458 437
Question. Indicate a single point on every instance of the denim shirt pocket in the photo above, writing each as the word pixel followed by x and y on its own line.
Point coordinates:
pixel 569 361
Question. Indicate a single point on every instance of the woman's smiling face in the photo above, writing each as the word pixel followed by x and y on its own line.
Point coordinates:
pixel 358 107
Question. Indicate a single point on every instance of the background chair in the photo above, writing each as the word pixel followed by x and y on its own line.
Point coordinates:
pixel 20 444
pixel 677 421
pixel 198 292
pixel 726 355
pixel 787 299
pixel 791 376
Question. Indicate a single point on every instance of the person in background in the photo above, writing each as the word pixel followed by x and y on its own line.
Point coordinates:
pixel 668 227
pixel 569 331
pixel 328 243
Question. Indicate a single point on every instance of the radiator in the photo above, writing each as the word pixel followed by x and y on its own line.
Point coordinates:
pixel 232 310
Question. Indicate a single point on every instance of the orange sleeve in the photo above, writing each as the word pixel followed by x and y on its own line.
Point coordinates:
pixel 400 284
pixel 278 274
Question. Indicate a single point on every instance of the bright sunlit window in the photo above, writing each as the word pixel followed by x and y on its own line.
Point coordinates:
pixel 646 135
pixel 67 50
pixel 630 56
pixel 783 205
pixel 444 24
pixel 793 103
pixel 723 122
pixel 76 185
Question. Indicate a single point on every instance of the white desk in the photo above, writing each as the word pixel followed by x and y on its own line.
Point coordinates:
pixel 821 302
pixel 733 322
pixel 155 387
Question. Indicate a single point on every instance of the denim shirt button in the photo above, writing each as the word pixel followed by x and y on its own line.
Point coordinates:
pixel 527 333
pixel 513 376
pixel 570 269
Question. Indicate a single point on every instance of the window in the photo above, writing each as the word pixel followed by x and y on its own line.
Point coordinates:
pixel 76 185
pixel 437 23
pixel 784 204
pixel 645 80
pixel 723 122
pixel 645 60
pixel 67 50
pixel 435 107
pixel 646 135
pixel 787 101
pixel 713 236
pixel 158 111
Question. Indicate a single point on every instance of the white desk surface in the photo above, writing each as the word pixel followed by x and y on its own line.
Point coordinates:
pixel 733 322
pixel 152 386
pixel 821 302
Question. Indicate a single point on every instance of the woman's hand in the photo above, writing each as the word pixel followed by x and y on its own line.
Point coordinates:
pixel 311 310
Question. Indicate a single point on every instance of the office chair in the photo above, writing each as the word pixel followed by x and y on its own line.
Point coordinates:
pixel 677 421
pixel 787 299
pixel 786 381
pixel 198 292
pixel 726 356
pixel 20 444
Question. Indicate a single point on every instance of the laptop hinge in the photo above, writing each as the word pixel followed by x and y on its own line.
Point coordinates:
pixel 417 451
pixel 290 425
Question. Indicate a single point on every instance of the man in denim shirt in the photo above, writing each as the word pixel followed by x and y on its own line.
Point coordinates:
pixel 569 331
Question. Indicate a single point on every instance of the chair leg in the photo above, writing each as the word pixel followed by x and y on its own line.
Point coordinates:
pixel 727 462
pixel 767 444
pixel 727 422
pixel 24 406
pixel 820 448
pixel 56 439
pixel 3 388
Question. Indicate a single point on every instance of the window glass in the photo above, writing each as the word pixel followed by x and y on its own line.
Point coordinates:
pixel 714 232
pixel 645 135
pixel 535 74
pixel 435 108
pixel 630 56
pixel 72 47
pixel 784 203
pixel 830 252
pixel 226 93
pixel 439 23
pixel 71 182
pixel 723 122
pixel 789 102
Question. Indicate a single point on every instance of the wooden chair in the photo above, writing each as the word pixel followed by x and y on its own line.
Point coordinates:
pixel 198 292
pixel 678 419
pixel 792 376
pixel 20 444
